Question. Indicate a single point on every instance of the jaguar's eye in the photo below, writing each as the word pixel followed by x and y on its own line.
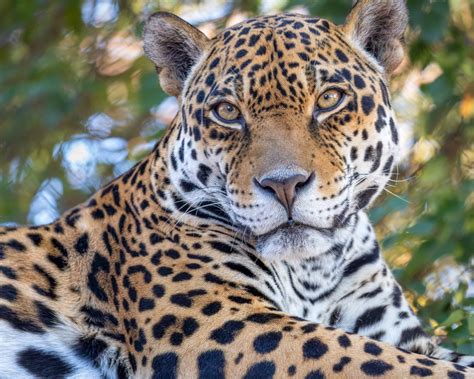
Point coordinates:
pixel 227 113
pixel 329 100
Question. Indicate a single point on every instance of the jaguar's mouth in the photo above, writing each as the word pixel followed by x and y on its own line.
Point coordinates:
pixel 294 228
pixel 293 240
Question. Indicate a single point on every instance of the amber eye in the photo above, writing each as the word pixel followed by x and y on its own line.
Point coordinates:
pixel 227 112
pixel 329 100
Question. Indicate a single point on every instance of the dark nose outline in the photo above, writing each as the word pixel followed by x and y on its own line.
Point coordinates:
pixel 284 189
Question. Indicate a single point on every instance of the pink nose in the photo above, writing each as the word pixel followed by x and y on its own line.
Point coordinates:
pixel 284 189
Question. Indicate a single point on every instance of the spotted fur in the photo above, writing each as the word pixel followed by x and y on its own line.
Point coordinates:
pixel 186 266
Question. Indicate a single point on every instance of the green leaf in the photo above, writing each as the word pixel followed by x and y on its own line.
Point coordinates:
pixel 470 324
pixel 453 318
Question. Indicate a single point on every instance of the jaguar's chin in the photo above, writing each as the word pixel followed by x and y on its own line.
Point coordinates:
pixel 294 241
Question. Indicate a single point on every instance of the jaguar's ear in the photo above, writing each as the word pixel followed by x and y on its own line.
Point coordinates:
pixel 174 46
pixel 378 27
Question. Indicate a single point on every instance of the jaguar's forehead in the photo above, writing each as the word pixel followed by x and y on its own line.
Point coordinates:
pixel 280 24
pixel 289 37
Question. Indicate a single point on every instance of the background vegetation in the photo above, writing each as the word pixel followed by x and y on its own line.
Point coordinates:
pixel 79 104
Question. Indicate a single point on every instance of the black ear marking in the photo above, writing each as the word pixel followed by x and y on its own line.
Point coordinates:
pixel 378 27
pixel 174 46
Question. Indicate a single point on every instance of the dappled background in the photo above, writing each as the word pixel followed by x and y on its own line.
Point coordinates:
pixel 79 104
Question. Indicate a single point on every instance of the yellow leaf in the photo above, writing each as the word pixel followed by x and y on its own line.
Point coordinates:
pixel 466 108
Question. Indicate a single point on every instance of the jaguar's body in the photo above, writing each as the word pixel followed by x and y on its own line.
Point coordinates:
pixel 211 257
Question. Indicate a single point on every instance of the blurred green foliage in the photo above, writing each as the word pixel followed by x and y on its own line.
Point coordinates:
pixel 58 67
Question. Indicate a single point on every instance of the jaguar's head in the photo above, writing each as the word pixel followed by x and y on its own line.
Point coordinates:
pixel 285 121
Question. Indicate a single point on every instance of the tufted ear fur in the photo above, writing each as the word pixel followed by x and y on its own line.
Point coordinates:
pixel 378 27
pixel 174 46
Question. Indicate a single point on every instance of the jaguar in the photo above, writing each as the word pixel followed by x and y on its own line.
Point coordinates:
pixel 239 246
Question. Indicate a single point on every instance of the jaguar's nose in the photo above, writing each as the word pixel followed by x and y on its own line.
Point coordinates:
pixel 284 187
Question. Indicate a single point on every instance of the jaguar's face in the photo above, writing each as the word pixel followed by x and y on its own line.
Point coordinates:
pixel 286 125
